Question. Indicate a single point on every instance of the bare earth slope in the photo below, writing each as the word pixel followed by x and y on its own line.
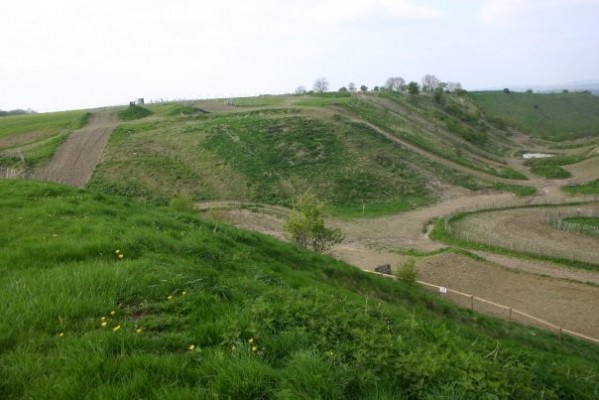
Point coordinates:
pixel 75 160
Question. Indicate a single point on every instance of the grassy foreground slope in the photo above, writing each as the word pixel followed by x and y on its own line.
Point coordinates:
pixel 555 116
pixel 195 310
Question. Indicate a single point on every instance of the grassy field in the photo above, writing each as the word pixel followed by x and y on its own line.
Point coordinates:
pixel 116 299
pixel 554 117
pixel 134 112
pixel 47 123
pixel 587 188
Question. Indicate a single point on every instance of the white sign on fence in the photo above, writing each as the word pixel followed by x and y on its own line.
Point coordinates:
pixel 442 289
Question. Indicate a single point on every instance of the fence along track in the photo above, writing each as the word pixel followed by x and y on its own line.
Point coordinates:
pixel 512 312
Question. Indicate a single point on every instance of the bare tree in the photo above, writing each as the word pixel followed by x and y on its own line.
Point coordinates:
pixel 454 86
pixel 430 83
pixel 300 90
pixel 321 85
pixel 352 87
pixel 395 83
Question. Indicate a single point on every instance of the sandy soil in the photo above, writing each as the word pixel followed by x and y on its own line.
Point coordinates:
pixel 527 230
pixel 75 160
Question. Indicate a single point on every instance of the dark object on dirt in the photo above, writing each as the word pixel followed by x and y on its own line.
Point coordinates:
pixel 383 269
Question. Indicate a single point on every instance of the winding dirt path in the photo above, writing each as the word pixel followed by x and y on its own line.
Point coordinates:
pixel 75 160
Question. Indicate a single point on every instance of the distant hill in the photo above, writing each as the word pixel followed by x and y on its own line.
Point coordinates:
pixel 551 116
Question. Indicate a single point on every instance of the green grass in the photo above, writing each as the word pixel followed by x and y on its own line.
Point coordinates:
pixel 324 99
pixel 267 156
pixel 266 319
pixel 586 188
pixel 46 123
pixel 589 221
pixel 550 167
pixel 555 117
pixel 134 112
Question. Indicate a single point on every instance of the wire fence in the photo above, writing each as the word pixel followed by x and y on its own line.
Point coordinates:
pixel 507 313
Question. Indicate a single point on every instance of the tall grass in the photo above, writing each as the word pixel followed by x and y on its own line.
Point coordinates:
pixel 191 311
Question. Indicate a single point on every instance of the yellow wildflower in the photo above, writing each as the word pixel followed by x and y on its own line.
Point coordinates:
pixel 103 319
pixel 112 312
pixel 61 334
pixel 254 348
pixel 184 293
pixel 118 251
pixel 192 347
pixel 251 341
pixel 170 297
pixel 138 330
pixel 120 256
pixel 103 324
pixel 116 328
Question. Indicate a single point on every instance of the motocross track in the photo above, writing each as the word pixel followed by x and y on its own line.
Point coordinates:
pixel 566 297
pixel 560 295
pixel 75 160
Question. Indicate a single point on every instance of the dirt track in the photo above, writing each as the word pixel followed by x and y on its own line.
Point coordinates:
pixel 75 160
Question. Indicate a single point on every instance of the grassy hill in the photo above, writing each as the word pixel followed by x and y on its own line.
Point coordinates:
pixel 387 152
pixel 29 140
pixel 555 116
pixel 198 310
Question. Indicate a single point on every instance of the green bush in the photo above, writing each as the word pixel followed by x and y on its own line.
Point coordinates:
pixel 407 271
pixel 134 112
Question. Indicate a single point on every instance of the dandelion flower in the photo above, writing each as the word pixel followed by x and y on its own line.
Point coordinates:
pixel 192 347
pixel 251 341
pixel 121 256
pixel 184 293
pixel 116 328
pixel 170 297
pixel 138 330
pixel 103 324
pixel 61 334
pixel 254 348
pixel 117 252
pixel 103 319
pixel 233 348
pixel 112 312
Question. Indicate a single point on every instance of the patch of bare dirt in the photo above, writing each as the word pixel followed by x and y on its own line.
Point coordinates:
pixel 584 171
pixel 570 305
pixel 541 268
pixel 528 230
pixel 75 160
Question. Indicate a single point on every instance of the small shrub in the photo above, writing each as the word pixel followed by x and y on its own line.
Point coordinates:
pixel 305 225
pixel 407 271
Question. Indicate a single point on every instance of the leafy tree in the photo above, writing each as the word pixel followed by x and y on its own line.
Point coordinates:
pixel 321 85
pixel 343 89
pixel 413 88
pixel 305 225
pixel 506 91
pixel 364 88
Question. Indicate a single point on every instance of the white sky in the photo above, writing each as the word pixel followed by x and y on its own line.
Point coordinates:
pixel 65 54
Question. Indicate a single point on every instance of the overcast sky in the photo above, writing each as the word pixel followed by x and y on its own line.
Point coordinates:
pixel 65 54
